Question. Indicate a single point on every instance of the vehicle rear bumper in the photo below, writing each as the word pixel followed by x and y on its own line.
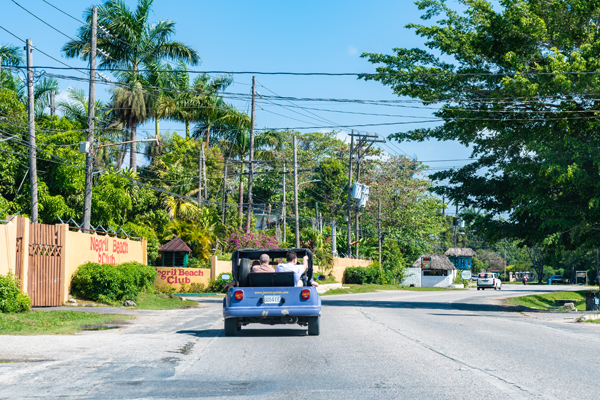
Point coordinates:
pixel 278 311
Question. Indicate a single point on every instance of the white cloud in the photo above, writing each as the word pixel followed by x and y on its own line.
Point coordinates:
pixel 352 51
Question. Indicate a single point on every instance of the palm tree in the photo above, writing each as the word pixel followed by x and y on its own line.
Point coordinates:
pixel 11 55
pixel 131 106
pixel 133 44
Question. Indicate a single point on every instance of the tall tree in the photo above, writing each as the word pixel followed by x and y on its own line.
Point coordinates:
pixel 516 82
pixel 133 43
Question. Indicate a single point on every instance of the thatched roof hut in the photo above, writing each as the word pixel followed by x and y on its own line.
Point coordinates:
pixel 460 252
pixel 438 261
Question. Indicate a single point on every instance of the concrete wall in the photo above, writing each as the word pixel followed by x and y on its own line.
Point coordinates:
pixel 218 267
pixel 82 247
pixel 438 281
pixel 174 277
pixel 412 276
pixel 8 246
pixel 340 265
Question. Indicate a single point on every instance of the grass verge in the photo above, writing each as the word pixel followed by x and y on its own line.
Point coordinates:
pixel 157 301
pixel 57 322
pixel 546 301
pixel 374 288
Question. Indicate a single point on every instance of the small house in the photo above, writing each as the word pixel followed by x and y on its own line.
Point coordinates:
pixel 461 257
pixel 174 253
pixel 430 270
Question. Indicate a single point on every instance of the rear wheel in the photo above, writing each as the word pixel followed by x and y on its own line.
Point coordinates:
pixel 314 325
pixel 230 327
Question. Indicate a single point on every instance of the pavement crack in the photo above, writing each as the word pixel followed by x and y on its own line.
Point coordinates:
pixel 505 385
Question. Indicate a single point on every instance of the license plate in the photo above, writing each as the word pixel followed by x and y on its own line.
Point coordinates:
pixel 272 299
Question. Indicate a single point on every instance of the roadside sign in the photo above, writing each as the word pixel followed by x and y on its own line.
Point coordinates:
pixel 581 274
pixel 466 275
pixel 426 262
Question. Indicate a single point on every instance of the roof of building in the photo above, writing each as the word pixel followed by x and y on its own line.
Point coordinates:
pixel 460 252
pixel 175 245
pixel 438 261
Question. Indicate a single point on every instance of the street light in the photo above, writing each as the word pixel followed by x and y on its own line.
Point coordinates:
pixel 302 183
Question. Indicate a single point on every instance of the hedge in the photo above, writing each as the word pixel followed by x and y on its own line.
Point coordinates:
pixel 12 298
pixel 107 284
pixel 362 276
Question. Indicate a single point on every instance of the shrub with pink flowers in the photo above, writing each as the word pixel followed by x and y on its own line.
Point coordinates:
pixel 250 240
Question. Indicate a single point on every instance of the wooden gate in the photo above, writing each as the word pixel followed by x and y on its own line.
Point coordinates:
pixel 45 271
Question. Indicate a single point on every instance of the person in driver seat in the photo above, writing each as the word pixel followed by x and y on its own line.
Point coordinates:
pixel 264 264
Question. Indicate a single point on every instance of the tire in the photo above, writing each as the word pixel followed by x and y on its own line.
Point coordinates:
pixel 314 326
pixel 478 288
pixel 495 287
pixel 243 271
pixel 230 326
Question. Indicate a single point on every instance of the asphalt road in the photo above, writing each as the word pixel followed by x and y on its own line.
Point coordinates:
pixel 446 345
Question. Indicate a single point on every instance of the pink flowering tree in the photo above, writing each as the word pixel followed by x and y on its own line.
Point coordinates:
pixel 250 240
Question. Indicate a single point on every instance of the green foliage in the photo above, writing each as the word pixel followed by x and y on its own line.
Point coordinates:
pixel 218 285
pixel 370 275
pixel 12 298
pixel 107 284
pixel 534 171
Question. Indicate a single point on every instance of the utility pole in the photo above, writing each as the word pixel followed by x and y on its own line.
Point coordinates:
pixel 505 262
pixel 379 227
pixel 89 158
pixel 52 106
pixel 31 128
pixel 251 172
pixel 200 180
pixel 283 212
pixel 241 197
pixel 349 205
pixel 333 238
pixel 296 216
pixel 224 200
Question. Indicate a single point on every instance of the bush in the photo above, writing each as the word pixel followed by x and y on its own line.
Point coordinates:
pixel 370 275
pixel 107 284
pixel 12 298
pixel 218 285
pixel 360 275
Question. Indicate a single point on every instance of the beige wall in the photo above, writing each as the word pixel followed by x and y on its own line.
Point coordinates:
pixel 82 247
pixel 8 246
pixel 340 265
pixel 218 267
pixel 174 277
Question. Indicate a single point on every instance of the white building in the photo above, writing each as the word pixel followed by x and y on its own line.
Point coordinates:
pixel 430 270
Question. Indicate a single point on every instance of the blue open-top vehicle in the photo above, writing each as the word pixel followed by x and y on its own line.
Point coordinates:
pixel 270 297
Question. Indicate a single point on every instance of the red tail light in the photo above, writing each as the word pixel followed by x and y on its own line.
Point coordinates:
pixel 239 294
pixel 306 294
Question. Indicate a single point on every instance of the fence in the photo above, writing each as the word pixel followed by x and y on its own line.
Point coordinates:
pixel 45 257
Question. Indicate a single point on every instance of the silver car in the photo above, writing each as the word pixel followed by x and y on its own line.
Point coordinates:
pixel 488 280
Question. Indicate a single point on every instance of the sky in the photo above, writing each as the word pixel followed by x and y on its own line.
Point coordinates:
pixel 269 36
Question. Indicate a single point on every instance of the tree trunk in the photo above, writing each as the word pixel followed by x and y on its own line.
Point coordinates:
pixel 187 129
pixel 133 154
pixel 156 127
pixel 208 136
pixel 121 156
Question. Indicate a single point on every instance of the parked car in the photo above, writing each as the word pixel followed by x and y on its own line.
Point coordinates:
pixel 488 280
pixel 270 297
pixel 557 279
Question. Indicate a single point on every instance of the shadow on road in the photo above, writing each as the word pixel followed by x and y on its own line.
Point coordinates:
pixel 422 305
pixel 247 332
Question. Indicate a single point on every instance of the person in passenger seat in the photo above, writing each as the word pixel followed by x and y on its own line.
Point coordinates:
pixel 291 266
pixel 264 265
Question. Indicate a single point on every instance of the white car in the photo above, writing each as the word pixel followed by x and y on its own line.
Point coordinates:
pixel 488 280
